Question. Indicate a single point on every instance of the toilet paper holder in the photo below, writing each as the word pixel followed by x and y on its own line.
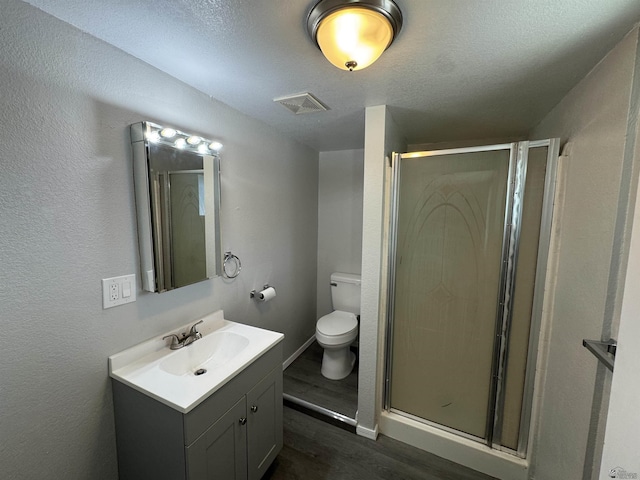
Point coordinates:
pixel 254 293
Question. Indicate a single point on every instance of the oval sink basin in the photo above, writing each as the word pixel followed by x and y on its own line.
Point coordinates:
pixel 211 351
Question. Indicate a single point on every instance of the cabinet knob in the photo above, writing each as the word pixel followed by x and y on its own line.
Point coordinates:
pixel 254 408
pixel 243 421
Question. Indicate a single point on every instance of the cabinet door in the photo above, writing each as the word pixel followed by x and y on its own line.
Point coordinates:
pixel 264 412
pixel 220 453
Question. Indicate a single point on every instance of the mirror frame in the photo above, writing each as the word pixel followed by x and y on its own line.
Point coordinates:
pixel 155 261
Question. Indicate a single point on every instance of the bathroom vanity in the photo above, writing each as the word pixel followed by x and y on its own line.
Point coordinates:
pixel 175 422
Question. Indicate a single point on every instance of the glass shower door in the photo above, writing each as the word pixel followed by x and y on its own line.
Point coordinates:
pixel 450 231
pixel 469 248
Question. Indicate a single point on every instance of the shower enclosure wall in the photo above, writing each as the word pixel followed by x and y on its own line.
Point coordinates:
pixel 468 251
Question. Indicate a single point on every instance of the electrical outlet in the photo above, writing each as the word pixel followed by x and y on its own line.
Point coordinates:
pixel 118 291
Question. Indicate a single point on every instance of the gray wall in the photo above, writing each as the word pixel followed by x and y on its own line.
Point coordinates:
pixel 67 220
pixel 339 219
pixel 588 247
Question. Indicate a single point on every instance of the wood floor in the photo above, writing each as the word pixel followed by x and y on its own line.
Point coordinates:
pixel 316 450
pixel 303 379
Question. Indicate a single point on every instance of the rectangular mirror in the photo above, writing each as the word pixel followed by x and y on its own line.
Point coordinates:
pixel 177 188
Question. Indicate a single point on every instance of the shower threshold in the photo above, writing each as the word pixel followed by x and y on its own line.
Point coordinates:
pixel 321 413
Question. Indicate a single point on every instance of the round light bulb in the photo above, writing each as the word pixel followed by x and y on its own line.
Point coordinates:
pixel 215 146
pixel 353 38
pixel 180 143
pixel 168 133
pixel 194 140
pixel 202 148
pixel 153 136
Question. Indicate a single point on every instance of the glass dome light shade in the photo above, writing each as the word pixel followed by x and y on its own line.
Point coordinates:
pixel 354 34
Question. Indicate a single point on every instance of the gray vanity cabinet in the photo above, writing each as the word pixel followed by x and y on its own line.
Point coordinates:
pixel 234 434
pixel 221 451
pixel 264 422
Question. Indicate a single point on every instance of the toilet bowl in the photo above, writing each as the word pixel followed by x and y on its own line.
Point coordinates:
pixel 336 331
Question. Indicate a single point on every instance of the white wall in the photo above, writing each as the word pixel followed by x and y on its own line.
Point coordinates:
pixel 339 219
pixel 621 443
pixel 588 249
pixel 381 138
pixel 67 220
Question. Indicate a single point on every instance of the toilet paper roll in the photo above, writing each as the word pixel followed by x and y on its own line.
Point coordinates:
pixel 267 294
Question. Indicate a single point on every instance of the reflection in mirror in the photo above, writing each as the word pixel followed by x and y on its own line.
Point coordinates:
pixel 177 185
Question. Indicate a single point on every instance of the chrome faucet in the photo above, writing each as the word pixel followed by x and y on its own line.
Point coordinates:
pixel 187 337
pixel 175 342
pixel 193 334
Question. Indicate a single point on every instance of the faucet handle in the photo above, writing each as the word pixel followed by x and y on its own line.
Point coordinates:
pixel 194 331
pixel 175 341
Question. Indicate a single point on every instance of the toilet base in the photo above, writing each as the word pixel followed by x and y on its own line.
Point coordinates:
pixel 337 363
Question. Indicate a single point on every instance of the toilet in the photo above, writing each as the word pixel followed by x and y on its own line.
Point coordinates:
pixel 336 331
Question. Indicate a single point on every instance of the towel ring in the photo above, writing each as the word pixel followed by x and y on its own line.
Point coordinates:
pixel 231 265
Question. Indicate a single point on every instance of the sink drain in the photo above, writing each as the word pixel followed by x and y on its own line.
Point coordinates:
pixel 200 371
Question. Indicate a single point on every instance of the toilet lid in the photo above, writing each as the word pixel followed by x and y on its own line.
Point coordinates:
pixel 337 323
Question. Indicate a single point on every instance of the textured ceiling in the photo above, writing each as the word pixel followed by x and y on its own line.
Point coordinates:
pixel 460 69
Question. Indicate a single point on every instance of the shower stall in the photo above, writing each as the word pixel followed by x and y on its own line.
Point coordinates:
pixel 469 242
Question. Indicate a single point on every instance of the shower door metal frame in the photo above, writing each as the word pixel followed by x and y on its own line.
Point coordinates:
pixel 516 179
pixel 544 244
pixel 504 310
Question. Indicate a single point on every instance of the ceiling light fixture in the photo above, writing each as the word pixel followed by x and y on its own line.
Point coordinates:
pixel 352 34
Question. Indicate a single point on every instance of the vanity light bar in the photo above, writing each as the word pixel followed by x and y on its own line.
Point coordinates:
pixel 175 138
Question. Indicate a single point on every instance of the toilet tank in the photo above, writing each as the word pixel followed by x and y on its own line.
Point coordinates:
pixel 345 292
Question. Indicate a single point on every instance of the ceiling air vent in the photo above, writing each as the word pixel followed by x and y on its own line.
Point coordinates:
pixel 302 103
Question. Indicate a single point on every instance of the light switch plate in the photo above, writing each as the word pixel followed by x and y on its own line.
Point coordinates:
pixel 118 291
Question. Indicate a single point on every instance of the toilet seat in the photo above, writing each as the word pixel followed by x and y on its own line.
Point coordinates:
pixel 337 328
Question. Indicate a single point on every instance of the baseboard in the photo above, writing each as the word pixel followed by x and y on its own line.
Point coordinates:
pixel 298 352
pixel 367 432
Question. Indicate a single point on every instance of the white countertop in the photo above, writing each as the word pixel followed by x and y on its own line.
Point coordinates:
pixel 226 348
